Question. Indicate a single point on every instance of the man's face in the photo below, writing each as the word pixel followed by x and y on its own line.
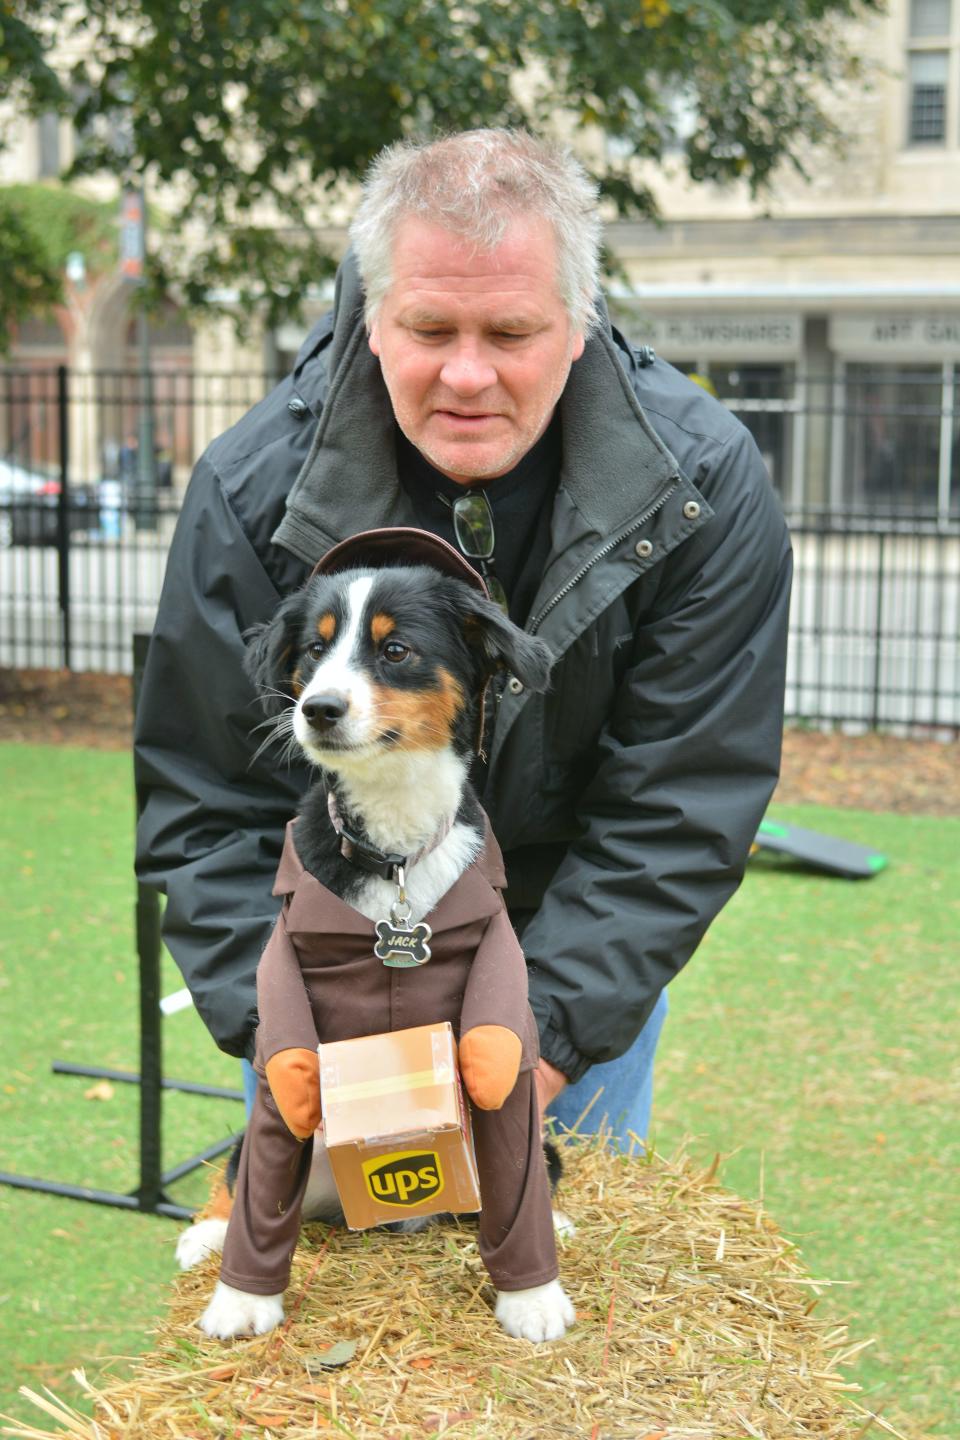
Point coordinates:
pixel 475 347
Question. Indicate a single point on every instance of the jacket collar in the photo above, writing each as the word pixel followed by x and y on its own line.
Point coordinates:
pixel 349 481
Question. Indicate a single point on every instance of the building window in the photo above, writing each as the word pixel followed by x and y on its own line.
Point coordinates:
pixel 928 97
pixel 929 18
pixel 933 62
pixel 893 433
pixel 762 397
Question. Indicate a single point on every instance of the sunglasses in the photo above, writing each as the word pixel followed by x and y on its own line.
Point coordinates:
pixel 473 528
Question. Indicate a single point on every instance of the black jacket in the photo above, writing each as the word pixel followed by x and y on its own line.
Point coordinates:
pixel 625 800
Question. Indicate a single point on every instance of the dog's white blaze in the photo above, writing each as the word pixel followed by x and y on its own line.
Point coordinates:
pixel 341 673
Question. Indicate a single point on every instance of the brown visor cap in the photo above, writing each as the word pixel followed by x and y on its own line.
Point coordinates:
pixel 399 545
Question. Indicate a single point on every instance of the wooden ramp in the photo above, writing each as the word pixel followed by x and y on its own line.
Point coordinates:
pixel 819 851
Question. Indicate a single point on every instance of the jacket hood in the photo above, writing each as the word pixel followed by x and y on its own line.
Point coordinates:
pixel 349 480
pixel 348 301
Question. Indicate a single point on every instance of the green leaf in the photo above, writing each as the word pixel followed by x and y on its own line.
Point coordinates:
pixel 335 1358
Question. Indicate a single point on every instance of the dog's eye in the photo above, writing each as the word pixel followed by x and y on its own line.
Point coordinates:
pixel 316 649
pixel 394 651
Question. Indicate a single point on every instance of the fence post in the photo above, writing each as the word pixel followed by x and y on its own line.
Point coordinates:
pixel 150 1191
pixel 878 632
pixel 63 518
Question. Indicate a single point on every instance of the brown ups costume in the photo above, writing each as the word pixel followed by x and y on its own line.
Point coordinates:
pixel 319 981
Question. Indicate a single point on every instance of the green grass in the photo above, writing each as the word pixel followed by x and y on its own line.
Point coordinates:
pixel 81 1282
pixel 811 1042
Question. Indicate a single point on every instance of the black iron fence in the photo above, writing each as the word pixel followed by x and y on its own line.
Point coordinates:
pixel 92 470
pixel 875 623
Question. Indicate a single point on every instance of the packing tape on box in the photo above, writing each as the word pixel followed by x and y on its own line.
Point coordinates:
pixel 372 1089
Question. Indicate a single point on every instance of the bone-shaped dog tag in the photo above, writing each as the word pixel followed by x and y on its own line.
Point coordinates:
pixel 402 946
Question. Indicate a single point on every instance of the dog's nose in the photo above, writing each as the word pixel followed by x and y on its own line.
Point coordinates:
pixel 322 712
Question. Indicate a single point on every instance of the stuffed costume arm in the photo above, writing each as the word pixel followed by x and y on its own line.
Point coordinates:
pixel 495 1017
pixel 287 1037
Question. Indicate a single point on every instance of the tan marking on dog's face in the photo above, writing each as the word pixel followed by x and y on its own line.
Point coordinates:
pixel 296 683
pixel 422 719
pixel 327 627
pixel 381 626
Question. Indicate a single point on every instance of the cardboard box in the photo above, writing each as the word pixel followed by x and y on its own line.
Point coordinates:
pixel 396 1126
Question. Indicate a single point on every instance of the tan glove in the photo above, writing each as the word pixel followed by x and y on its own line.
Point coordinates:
pixel 490 1063
pixel 294 1080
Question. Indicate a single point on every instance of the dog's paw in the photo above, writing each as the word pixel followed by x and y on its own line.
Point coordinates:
pixel 234 1312
pixel 542 1313
pixel 563 1225
pixel 204 1238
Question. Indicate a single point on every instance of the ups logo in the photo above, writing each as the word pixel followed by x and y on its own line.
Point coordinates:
pixel 405 1179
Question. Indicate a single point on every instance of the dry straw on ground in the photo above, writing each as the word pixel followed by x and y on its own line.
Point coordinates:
pixel 695 1322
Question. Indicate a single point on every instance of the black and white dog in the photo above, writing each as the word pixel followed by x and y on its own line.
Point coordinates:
pixel 377 674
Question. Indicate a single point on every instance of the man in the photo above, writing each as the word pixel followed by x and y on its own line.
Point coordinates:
pixel 469 381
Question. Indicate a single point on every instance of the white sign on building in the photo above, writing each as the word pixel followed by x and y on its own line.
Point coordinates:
pixel 896 337
pixel 725 336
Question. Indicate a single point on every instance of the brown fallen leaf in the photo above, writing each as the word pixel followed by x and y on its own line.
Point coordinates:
pixel 322 1392
pixel 103 1090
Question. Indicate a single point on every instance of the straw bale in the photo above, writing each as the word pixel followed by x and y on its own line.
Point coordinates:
pixel 694 1322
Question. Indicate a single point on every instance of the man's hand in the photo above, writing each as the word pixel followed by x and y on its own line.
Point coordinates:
pixel 550 1082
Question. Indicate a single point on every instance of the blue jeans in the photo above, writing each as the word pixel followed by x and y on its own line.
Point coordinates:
pixel 627 1088
pixel 627 1095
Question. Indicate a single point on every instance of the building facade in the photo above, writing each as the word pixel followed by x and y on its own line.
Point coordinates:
pixel 827 316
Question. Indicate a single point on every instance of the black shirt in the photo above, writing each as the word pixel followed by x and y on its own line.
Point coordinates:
pixel 522 504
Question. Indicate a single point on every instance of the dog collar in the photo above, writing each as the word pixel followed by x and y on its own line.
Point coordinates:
pixel 366 856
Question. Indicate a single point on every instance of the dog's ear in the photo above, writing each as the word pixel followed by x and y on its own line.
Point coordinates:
pixel 500 643
pixel 271 658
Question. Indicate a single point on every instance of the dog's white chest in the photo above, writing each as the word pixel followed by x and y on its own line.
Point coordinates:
pixel 427 882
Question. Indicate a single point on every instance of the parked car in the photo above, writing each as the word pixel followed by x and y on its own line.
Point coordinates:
pixel 29 506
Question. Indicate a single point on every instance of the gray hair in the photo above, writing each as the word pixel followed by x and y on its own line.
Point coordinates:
pixel 473 184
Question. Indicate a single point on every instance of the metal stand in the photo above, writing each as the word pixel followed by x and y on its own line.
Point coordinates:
pixel 149 1195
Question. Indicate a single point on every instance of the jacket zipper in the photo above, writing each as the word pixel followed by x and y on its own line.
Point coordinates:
pixel 610 545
